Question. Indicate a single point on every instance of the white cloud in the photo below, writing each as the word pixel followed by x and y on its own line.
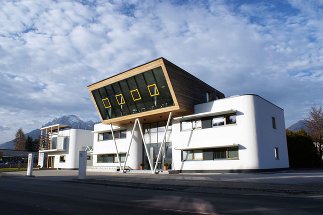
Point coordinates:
pixel 51 50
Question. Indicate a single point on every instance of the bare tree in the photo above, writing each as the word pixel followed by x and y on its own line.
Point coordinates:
pixel 20 140
pixel 314 123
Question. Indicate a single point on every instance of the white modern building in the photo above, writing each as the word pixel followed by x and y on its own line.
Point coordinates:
pixel 157 115
pixel 60 146
pixel 243 132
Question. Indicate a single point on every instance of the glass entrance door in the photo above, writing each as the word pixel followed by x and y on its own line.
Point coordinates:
pixel 153 134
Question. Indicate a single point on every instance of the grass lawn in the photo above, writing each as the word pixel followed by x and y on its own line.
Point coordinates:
pixel 12 169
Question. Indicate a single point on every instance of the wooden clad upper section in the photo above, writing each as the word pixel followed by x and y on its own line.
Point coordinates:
pixel 189 89
pixel 175 90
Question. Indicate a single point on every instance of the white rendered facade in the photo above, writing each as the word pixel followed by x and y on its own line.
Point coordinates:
pixel 107 147
pixel 259 143
pixel 63 152
pixel 255 139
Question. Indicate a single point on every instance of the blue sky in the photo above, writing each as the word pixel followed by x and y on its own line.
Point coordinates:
pixel 51 50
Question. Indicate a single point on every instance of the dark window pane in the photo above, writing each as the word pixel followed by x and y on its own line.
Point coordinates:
pixel 105 158
pixel 211 154
pixel 62 159
pixel 164 98
pixel 110 159
pixel 122 158
pixel 231 119
pixel 189 155
pixel 207 155
pixel 105 136
pixel 232 152
pixel 99 103
pixel 220 154
pixel 54 143
pixel 123 134
pixel 207 123
pixel 273 121
pixel 116 134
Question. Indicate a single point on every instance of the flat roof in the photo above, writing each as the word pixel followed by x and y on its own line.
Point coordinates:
pixel 126 71
pixel 249 94
pixel 55 127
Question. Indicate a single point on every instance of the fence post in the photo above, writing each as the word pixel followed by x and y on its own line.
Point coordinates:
pixel 82 164
pixel 30 165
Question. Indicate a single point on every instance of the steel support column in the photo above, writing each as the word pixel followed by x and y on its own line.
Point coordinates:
pixel 115 143
pixel 164 140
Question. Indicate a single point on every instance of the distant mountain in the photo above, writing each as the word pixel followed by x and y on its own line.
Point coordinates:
pixel 70 120
pixel 73 121
pixel 300 125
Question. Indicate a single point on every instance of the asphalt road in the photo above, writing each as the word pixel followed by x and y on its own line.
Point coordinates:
pixel 23 195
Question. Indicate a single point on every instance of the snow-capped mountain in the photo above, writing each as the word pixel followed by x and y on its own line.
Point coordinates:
pixel 70 120
pixel 73 121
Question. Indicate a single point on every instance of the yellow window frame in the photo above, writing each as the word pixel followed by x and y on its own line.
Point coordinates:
pixel 122 101
pixel 133 98
pixel 104 104
pixel 154 93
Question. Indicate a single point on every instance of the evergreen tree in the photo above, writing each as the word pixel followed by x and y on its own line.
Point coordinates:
pixel 29 143
pixel 301 150
pixel 35 145
pixel 32 145
pixel 20 140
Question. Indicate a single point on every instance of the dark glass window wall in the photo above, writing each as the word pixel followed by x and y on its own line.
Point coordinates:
pixel 211 154
pixel 143 92
pixel 122 134
pixel 111 158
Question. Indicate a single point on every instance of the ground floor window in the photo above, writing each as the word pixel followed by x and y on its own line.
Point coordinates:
pixel 111 158
pixel 276 153
pixel 62 159
pixel 211 154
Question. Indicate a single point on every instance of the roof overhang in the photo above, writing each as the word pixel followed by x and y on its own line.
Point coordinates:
pixel 52 150
pixel 202 115
pixel 115 128
pixel 103 153
pixel 207 147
